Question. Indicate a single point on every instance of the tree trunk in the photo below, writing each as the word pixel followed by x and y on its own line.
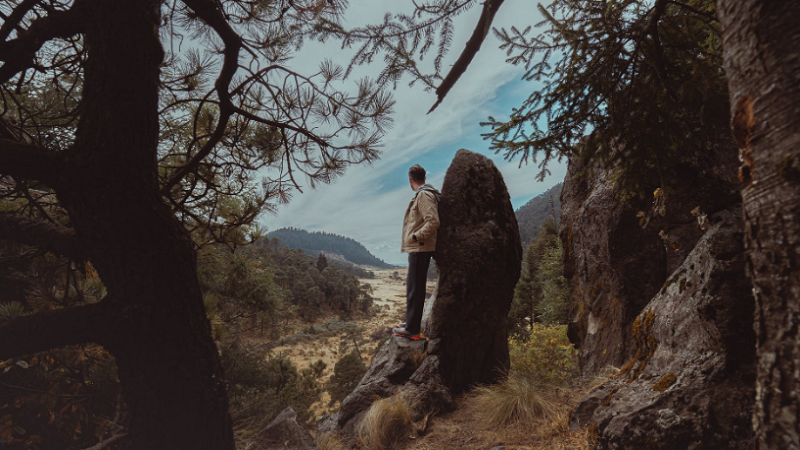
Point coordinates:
pixel 158 332
pixel 762 59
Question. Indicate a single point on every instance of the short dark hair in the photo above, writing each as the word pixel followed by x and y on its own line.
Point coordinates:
pixel 417 173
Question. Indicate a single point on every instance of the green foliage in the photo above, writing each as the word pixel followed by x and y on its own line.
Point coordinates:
pixel 637 85
pixel 313 292
pixel 542 362
pixel 544 354
pixel 541 294
pixel 260 387
pixel 322 262
pixel 317 241
pixel 64 397
pixel 347 372
pixel 553 307
pixel 10 310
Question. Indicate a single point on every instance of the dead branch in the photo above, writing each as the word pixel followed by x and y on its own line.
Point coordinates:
pixel 490 8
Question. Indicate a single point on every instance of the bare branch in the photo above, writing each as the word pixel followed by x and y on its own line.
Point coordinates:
pixel 38 332
pixel 16 16
pixel 18 54
pixel 490 8
pixel 43 235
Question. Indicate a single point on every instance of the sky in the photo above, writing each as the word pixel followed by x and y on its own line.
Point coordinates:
pixel 368 202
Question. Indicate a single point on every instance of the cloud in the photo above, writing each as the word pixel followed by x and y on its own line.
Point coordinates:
pixel 369 201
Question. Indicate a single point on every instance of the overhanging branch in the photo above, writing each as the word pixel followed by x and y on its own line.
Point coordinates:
pixel 46 236
pixel 490 8
pixel 16 16
pixel 38 332
pixel 29 161
pixel 209 13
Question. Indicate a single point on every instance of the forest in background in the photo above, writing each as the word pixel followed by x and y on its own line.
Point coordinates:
pixel 314 242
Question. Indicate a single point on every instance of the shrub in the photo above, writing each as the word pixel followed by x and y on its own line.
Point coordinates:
pixel 347 372
pixel 385 423
pixel 260 389
pixel 545 355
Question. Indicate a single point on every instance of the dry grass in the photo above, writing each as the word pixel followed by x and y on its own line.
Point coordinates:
pixel 385 424
pixel 329 441
pixel 463 430
pixel 517 399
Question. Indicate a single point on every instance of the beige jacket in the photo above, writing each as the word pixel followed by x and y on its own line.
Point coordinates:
pixel 422 221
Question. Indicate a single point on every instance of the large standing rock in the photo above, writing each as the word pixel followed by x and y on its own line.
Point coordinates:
pixel 690 384
pixel 479 257
pixel 613 266
pixel 285 432
pixel 478 254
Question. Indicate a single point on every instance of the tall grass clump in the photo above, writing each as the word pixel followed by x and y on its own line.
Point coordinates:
pixel 329 441
pixel 385 423
pixel 536 388
pixel 516 400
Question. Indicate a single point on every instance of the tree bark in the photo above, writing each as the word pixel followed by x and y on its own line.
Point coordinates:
pixel 157 329
pixel 761 39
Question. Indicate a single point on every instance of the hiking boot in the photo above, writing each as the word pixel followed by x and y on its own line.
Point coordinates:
pixel 401 325
pixel 402 332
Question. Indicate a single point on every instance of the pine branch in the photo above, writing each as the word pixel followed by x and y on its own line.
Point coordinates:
pixel 46 236
pixel 38 332
pixel 490 8
pixel 208 11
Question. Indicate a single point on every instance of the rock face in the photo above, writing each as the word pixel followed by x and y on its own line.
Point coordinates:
pixel 690 384
pixel 479 257
pixel 613 266
pixel 284 432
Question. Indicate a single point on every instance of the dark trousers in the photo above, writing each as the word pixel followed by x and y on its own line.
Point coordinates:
pixel 418 263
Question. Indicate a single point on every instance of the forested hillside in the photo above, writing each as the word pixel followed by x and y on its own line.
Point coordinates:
pixel 316 242
pixel 531 215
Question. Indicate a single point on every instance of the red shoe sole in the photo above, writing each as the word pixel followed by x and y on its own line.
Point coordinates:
pixel 413 338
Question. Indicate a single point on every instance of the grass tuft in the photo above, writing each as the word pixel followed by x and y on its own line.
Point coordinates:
pixel 517 400
pixel 329 441
pixel 385 423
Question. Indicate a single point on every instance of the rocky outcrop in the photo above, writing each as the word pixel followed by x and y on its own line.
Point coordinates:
pixel 690 383
pixel 613 265
pixel 285 432
pixel 479 258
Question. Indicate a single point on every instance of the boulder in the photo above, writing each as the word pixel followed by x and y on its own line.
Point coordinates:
pixel 284 432
pixel 478 257
pixel 614 266
pixel 690 383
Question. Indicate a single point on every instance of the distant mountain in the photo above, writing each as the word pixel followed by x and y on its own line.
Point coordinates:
pixel 531 214
pixel 317 242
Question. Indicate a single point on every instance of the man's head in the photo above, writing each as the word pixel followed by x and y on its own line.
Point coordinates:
pixel 416 176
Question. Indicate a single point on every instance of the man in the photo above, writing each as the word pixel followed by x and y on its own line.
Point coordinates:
pixel 419 241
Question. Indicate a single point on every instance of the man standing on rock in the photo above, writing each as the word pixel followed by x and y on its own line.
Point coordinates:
pixel 419 241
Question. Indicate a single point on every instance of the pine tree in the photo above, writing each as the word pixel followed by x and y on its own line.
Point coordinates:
pixel 322 262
